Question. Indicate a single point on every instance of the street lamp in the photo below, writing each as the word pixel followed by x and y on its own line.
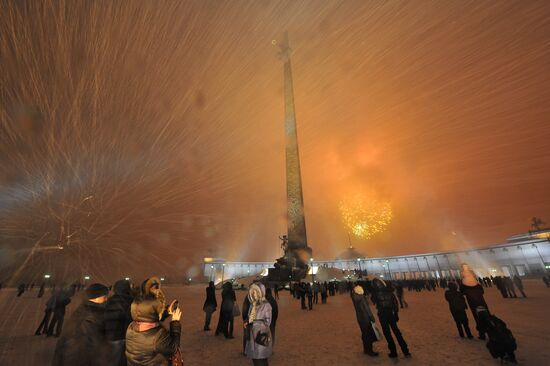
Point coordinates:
pixel 46 276
pixel 223 272
pixel 360 271
pixel 127 278
pixel 312 274
pixel 86 278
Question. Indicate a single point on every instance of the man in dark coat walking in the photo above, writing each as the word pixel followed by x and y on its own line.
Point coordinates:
pixel 388 308
pixel 83 340
pixel 509 284
pixel 274 313
pixel 50 306
pixel 225 323
pixel 364 319
pixel 117 319
pixel 210 304
pixel 62 299
pixel 519 285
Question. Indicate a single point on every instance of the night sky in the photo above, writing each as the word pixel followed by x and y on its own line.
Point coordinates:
pixel 151 133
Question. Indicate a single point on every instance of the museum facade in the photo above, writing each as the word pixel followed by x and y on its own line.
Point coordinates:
pixel 523 255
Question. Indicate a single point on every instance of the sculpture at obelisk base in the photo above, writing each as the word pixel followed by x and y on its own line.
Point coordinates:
pixel 294 263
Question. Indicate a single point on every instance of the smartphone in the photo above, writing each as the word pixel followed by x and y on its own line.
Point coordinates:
pixel 175 306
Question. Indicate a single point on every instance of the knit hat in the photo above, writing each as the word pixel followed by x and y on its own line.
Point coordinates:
pixel 359 290
pixel 96 290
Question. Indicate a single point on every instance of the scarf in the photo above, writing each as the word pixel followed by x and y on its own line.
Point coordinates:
pixel 145 326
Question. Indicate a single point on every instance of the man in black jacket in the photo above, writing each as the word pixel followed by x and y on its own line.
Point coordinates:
pixel 457 306
pixel 83 340
pixel 246 309
pixel 117 319
pixel 388 308
pixel 274 313
pixel 50 306
pixel 62 299
pixel 210 304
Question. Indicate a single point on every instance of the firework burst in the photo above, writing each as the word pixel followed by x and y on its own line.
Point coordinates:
pixel 365 217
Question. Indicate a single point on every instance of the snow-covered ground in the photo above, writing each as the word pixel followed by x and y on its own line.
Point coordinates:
pixel 328 335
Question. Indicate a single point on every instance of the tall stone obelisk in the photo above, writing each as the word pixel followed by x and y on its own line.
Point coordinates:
pixel 298 251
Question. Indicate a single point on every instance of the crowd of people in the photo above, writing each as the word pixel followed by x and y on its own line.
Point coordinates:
pixel 126 328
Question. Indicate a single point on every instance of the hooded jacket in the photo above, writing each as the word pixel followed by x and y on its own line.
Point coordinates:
pixel 260 323
pixel 148 343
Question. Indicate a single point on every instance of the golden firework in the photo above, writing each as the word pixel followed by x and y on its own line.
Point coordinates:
pixel 364 217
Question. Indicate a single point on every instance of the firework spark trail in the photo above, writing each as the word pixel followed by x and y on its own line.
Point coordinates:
pixel 169 111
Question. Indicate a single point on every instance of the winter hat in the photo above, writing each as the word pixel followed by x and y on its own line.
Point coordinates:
pixel 96 290
pixel 359 290
pixel 149 310
pixel 122 287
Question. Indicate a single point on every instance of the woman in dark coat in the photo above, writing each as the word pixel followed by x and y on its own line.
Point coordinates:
pixel 365 318
pixel 225 323
pixel 210 304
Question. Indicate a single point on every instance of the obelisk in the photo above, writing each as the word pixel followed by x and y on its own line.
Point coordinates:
pixel 298 251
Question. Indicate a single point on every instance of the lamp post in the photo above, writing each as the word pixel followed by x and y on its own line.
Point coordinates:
pixel 223 272
pixel 312 274
pixel 541 259
pixel 438 266
pixel 389 269
pixel 428 264
pixel 418 265
pixel 360 271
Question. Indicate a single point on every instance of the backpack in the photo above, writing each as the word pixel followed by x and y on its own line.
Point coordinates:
pixel 501 340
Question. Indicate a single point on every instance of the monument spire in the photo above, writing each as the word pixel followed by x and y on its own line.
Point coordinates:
pixel 298 250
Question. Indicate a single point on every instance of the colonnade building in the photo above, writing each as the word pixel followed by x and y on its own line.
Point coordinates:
pixel 522 255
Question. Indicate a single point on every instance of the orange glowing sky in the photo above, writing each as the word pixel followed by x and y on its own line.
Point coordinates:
pixel 441 108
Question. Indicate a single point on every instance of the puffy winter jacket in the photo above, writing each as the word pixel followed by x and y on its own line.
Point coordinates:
pixel 152 347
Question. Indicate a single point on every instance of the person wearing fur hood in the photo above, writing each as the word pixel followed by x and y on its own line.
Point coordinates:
pixel 259 345
pixel 148 343
pixel 365 318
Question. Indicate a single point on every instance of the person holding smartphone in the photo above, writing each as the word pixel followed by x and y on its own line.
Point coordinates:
pixel 148 342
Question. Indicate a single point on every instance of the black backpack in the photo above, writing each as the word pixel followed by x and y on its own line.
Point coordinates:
pixel 501 339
